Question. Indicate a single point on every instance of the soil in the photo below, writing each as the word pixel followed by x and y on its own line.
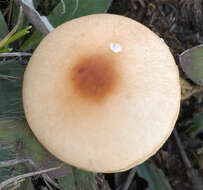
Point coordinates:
pixel 180 24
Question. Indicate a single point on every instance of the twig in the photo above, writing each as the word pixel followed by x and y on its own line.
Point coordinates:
pixel 181 149
pixel 17 178
pixel 14 29
pixel 129 179
pixel 142 3
pixel 191 93
pixel 5 11
pixel 40 22
pixel 76 7
pixel 188 90
pixel 191 172
pixel 12 162
pixel 15 54
pixel 10 7
pixel 48 179
pixel 16 186
pixel 100 182
pixel 47 184
pixel 44 176
pixel 63 6
pixel 11 78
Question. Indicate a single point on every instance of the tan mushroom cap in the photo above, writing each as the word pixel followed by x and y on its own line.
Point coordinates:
pixel 102 93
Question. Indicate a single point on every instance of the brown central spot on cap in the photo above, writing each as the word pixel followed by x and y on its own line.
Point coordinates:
pixel 94 78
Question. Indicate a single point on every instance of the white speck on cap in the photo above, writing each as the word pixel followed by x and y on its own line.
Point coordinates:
pixel 116 48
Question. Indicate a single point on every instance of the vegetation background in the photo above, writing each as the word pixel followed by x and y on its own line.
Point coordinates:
pixel 25 165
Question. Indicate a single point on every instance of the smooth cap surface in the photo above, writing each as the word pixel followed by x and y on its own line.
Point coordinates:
pixel 102 93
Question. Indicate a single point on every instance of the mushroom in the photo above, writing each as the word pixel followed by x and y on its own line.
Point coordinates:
pixel 102 93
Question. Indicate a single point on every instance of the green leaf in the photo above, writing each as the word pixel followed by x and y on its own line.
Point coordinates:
pixel 6 50
pixel 68 181
pixel 154 176
pixel 191 62
pixel 17 36
pixel 20 137
pixel 3 27
pixel 17 135
pixel 33 41
pixel 6 154
pixel 26 185
pixel 15 132
pixel 14 17
pixel 77 8
pixel 77 179
pixel 71 9
pixel 11 73
pixel 197 126
pixel 83 180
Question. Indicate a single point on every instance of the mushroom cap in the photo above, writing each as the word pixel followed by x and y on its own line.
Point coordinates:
pixel 102 93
